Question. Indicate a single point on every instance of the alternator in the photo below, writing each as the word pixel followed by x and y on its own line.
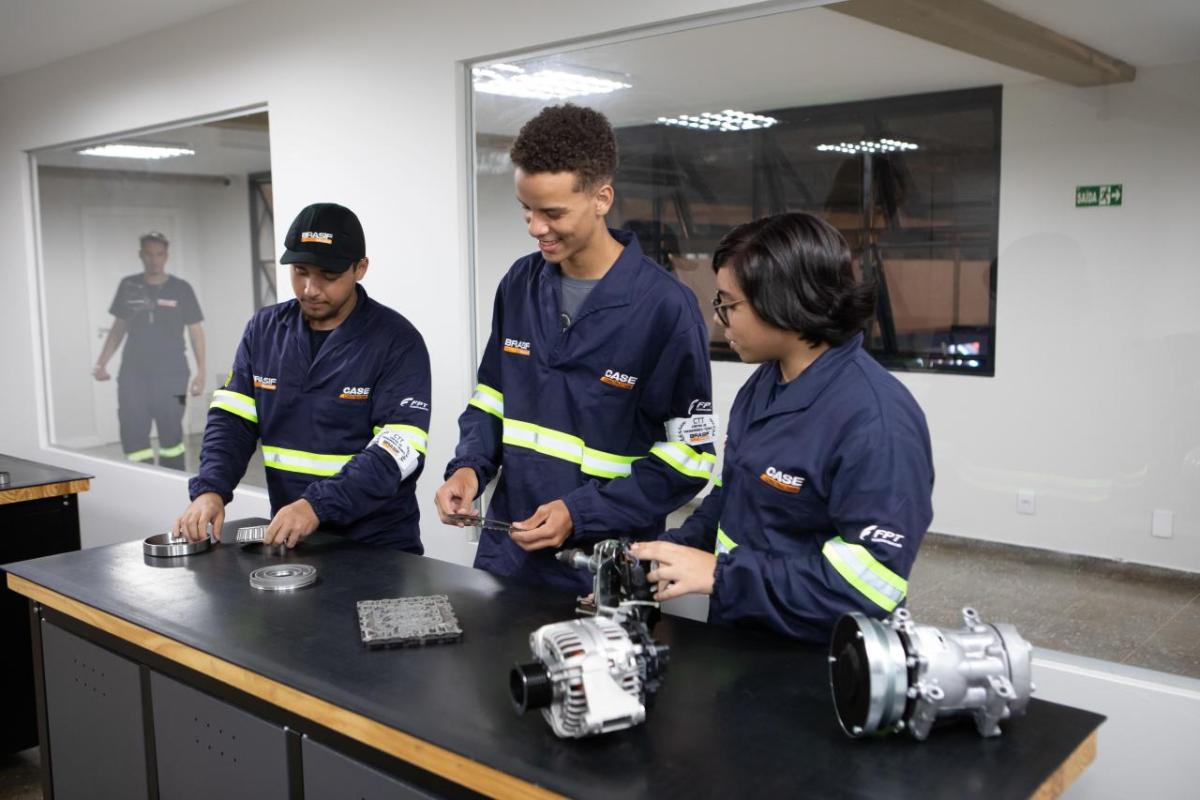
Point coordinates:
pixel 598 674
pixel 897 675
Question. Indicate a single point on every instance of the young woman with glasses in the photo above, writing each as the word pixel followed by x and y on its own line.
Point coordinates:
pixel 825 491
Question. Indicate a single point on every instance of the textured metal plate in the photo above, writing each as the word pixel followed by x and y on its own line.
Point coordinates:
pixel 408 621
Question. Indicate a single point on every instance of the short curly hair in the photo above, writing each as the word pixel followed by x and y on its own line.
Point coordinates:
pixel 568 138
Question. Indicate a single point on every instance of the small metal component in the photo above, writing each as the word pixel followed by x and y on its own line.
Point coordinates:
pixel 898 675
pixel 408 621
pixel 477 521
pixel 164 545
pixel 249 534
pixel 283 577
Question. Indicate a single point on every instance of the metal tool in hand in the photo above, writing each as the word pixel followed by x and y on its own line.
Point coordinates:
pixel 477 521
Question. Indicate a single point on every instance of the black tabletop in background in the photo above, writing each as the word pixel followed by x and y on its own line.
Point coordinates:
pixel 23 473
pixel 739 713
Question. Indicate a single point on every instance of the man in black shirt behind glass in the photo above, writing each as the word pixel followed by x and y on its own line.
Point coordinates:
pixel 153 308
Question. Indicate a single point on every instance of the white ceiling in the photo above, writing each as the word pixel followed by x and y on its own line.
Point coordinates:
pixel 220 150
pixel 816 56
pixel 34 33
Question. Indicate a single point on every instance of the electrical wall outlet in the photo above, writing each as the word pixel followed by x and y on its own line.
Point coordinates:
pixel 1162 523
pixel 1026 501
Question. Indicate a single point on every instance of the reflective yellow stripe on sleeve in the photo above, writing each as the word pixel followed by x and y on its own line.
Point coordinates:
pixel 686 459
pixel 724 543
pixel 239 405
pixel 418 438
pixel 306 463
pixel 861 570
pixel 485 398
pixel 557 444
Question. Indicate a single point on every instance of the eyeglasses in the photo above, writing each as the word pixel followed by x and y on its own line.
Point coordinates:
pixel 722 309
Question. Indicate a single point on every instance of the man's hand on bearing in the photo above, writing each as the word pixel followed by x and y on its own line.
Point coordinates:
pixel 292 523
pixel 206 509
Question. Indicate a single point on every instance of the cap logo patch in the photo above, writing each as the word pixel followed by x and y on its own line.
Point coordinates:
pixel 316 237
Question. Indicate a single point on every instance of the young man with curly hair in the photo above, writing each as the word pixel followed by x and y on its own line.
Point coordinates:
pixel 594 405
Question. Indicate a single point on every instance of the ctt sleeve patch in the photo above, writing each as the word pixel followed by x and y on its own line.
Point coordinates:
pixel 696 429
pixel 396 445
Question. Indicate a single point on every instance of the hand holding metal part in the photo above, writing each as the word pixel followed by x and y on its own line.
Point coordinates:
pixel 478 521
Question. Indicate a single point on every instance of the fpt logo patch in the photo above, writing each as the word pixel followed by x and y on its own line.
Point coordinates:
pixel 777 479
pixel 516 347
pixel 316 237
pixel 618 379
pixel 412 402
pixel 355 393
pixel 877 535
pixel 269 384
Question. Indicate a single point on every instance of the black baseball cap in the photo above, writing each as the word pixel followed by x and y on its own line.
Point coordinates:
pixel 326 235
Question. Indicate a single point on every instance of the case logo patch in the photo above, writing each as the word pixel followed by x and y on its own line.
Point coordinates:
pixel 618 379
pixel 516 347
pixel 269 384
pixel 316 237
pixel 780 480
pixel 355 393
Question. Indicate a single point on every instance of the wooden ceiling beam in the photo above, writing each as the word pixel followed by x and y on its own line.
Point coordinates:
pixel 983 30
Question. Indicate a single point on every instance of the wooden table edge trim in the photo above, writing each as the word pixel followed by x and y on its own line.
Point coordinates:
pixel 1070 770
pixel 445 763
pixel 24 494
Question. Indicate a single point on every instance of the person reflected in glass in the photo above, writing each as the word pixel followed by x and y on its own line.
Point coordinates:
pixel 826 487
pixel 152 309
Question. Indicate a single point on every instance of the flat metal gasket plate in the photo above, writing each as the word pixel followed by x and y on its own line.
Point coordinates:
pixel 163 545
pixel 408 621
pixel 283 577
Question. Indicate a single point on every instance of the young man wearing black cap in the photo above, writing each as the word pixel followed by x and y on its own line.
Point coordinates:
pixel 337 388
pixel 594 404
pixel 154 309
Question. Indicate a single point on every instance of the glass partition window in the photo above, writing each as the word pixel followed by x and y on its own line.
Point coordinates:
pixel 912 182
pixel 151 255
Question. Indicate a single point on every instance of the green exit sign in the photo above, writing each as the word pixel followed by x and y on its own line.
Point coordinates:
pixel 1109 194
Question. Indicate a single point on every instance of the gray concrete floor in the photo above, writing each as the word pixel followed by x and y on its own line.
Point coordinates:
pixel 1143 616
pixel 1131 614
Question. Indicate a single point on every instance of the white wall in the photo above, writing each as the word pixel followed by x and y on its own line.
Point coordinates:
pixel 1147 745
pixel 210 250
pixel 1094 403
pixel 368 113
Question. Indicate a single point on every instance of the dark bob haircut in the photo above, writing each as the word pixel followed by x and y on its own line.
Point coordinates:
pixel 795 272
pixel 568 138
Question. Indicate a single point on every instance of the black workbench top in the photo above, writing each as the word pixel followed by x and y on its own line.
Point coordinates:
pixel 739 714
pixel 23 473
